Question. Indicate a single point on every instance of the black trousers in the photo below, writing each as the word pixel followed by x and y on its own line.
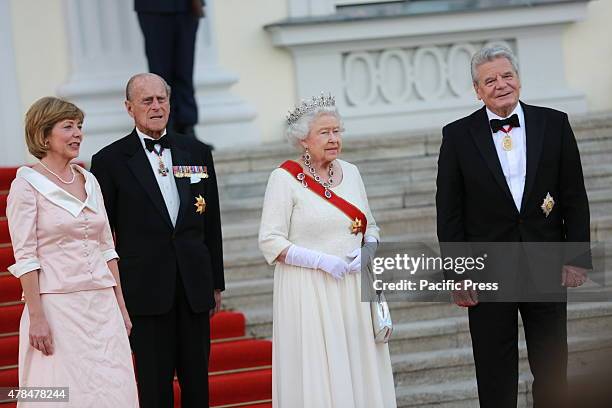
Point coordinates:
pixel 170 48
pixel 176 341
pixel 494 331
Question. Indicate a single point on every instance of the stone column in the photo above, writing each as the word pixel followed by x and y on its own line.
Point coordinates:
pixel 106 48
pixel 13 150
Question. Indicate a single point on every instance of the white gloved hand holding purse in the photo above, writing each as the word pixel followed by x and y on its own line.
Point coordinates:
pixel 371 244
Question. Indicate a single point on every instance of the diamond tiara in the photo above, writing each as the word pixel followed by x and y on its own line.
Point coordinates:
pixel 308 106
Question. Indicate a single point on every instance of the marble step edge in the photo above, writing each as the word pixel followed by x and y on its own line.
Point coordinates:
pixel 392 189
pixel 463 392
pixel 447 392
pixel 583 126
pixel 445 325
pixel 255 257
pixel 446 358
pixel 401 191
pixel 242 287
pixel 251 228
pixel 389 165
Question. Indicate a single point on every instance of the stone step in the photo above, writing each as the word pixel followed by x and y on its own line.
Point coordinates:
pixel 404 194
pixel 408 337
pixel 240 240
pixel 444 365
pixel 449 329
pixel 589 129
pixel 250 264
pixel 453 375
pixel 405 170
pixel 381 196
pixel 242 237
pixel 453 394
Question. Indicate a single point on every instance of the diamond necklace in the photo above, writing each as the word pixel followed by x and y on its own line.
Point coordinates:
pixel 58 177
pixel 327 185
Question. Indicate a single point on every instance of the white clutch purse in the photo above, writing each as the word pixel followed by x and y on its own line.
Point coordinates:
pixel 382 324
pixel 381 319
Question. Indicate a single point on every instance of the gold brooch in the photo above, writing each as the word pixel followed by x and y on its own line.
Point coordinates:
pixel 200 204
pixel 547 204
pixel 355 226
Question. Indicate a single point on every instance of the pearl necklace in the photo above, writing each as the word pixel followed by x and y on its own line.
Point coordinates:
pixel 327 185
pixel 58 177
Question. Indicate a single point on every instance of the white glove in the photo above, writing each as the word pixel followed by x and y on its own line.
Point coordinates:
pixel 307 258
pixel 371 244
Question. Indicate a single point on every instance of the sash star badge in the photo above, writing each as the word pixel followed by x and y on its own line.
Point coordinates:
pixel 356 226
pixel 547 204
pixel 200 204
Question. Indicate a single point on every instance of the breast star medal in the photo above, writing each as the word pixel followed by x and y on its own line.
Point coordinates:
pixel 200 204
pixel 355 226
pixel 547 204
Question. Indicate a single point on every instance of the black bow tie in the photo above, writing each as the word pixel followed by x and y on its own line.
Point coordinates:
pixel 162 141
pixel 497 124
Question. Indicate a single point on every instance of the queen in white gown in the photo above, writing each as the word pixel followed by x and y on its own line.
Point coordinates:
pixel 324 354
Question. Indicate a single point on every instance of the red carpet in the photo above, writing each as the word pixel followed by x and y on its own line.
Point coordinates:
pixel 7 174
pixel 4 231
pixel 3 197
pixel 6 258
pixel 239 366
pixel 10 288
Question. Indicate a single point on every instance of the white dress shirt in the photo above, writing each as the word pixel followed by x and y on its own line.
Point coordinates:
pixel 167 184
pixel 514 161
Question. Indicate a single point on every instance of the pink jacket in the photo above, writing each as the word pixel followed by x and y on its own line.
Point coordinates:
pixel 68 241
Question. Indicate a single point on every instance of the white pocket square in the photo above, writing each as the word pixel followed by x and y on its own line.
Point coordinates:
pixel 194 179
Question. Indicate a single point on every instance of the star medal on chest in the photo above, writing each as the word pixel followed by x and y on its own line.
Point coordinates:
pixel 356 226
pixel 547 204
pixel 200 204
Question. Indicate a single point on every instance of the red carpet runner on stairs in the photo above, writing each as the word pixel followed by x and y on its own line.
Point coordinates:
pixel 240 367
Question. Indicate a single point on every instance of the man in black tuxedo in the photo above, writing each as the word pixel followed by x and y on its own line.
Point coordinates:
pixel 160 192
pixel 169 28
pixel 499 171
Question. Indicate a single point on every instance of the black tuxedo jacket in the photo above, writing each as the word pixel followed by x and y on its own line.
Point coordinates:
pixel 473 200
pixel 152 252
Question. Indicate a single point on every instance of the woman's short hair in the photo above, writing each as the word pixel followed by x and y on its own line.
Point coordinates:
pixel 298 130
pixel 488 54
pixel 40 119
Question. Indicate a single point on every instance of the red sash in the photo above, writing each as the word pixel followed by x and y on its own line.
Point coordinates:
pixel 359 222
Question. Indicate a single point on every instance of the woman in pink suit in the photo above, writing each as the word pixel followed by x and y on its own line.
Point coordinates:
pixel 74 328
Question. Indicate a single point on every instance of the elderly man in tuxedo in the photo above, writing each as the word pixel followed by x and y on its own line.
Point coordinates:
pixel 160 192
pixel 499 171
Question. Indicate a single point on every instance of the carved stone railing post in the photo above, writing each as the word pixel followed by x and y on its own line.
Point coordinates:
pixel 394 72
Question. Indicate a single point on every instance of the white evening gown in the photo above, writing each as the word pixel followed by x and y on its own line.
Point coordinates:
pixel 324 354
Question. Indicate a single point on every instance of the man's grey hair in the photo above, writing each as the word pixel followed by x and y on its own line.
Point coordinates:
pixel 130 85
pixel 298 130
pixel 488 54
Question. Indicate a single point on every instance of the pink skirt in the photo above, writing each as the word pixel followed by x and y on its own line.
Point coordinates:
pixel 92 355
